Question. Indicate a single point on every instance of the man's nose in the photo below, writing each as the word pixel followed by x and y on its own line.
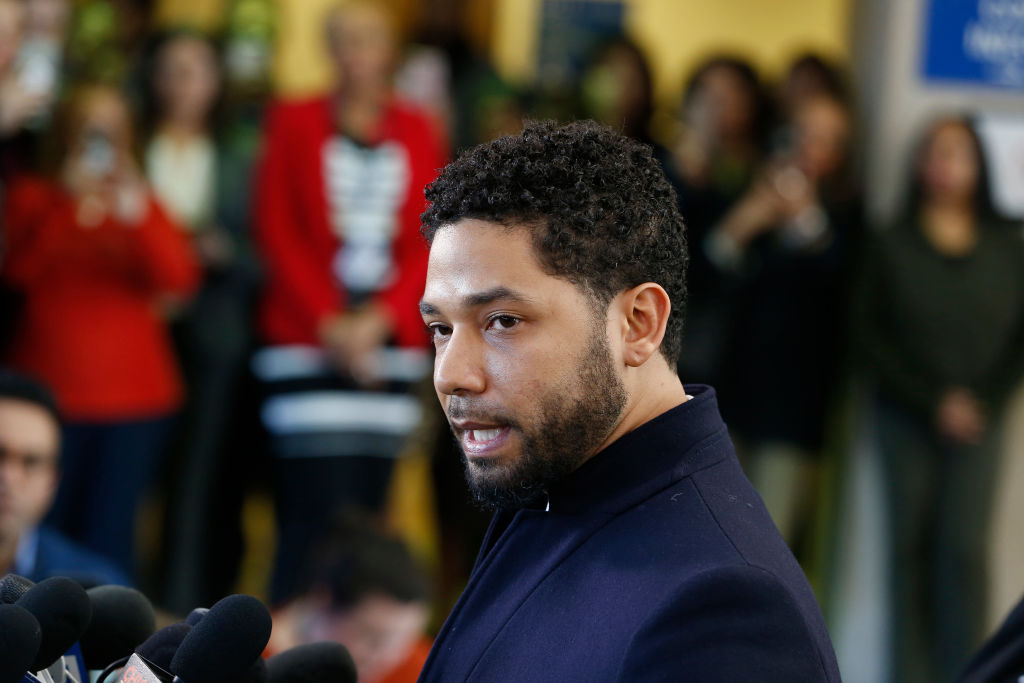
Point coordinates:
pixel 458 366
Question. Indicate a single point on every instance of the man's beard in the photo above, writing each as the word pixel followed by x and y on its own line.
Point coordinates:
pixel 576 418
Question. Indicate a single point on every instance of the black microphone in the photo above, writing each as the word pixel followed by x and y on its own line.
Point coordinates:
pixel 196 615
pixel 122 619
pixel 20 635
pixel 225 643
pixel 312 663
pixel 12 587
pixel 62 608
pixel 256 673
pixel 160 647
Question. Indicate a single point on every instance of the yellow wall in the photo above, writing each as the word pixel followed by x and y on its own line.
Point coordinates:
pixel 675 33
pixel 205 15
pixel 300 63
pixel 678 33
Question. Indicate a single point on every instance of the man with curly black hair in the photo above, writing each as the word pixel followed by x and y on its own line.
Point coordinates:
pixel 627 544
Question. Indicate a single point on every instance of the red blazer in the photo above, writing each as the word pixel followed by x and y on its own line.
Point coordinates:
pixel 293 230
pixel 91 326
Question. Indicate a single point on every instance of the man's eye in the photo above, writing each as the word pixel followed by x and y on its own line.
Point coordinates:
pixel 504 322
pixel 438 331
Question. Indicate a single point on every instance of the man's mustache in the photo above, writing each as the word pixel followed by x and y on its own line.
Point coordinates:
pixel 460 408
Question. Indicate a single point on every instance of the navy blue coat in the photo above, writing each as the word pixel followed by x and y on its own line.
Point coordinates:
pixel 656 561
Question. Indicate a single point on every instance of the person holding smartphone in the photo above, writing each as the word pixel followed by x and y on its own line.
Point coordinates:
pixel 785 250
pixel 99 263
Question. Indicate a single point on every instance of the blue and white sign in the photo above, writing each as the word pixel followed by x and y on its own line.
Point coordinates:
pixel 974 41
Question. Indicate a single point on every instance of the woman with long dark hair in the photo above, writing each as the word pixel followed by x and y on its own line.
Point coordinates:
pixel 200 171
pixel 940 325
pixel 617 89
pixel 721 142
pixel 783 252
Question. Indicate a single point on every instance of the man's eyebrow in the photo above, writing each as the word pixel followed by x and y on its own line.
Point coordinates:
pixel 481 299
pixel 495 294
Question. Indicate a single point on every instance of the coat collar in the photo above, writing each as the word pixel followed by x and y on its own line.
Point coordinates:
pixel 649 458
pixel 523 547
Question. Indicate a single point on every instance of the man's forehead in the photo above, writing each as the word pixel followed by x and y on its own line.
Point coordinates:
pixel 474 262
pixel 25 424
pixel 477 228
pixel 483 250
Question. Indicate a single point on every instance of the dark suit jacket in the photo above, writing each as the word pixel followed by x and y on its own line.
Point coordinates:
pixel 57 555
pixel 655 562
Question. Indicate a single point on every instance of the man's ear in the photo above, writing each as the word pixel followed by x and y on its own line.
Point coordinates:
pixel 645 310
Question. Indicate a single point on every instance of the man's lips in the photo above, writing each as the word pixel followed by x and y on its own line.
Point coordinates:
pixel 480 438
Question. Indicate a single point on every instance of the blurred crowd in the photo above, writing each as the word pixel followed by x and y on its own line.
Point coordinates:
pixel 219 288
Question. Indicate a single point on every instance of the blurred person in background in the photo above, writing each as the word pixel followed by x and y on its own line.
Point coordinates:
pixel 29 455
pixel 23 94
pixel 940 329
pixel 338 196
pixel 617 90
pixel 786 248
pixel 809 75
pixel 481 105
pixel 366 592
pixel 39 83
pixel 201 177
pixel 98 262
pixel 721 143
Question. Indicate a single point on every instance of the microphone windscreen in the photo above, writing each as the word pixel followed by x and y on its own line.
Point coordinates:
pixel 20 636
pixel 313 662
pixel 62 608
pixel 196 615
pixel 12 587
pixel 122 618
pixel 225 643
pixel 256 673
pixel 160 647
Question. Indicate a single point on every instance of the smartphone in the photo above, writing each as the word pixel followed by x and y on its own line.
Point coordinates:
pixel 37 75
pixel 98 153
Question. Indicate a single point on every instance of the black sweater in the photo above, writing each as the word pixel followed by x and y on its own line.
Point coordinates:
pixel 926 322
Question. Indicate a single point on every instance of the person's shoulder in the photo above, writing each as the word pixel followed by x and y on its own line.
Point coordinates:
pixel 299 107
pixel 414 123
pixel 731 511
pixel 58 555
pixel 894 242
pixel 298 114
pixel 29 197
pixel 410 112
pixel 31 188
pixel 1005 233
pixel 729 621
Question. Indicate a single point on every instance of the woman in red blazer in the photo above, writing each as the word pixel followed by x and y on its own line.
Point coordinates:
pixel 339 192
pixel 100 266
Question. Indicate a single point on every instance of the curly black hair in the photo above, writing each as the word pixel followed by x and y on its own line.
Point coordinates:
pixel 604 216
